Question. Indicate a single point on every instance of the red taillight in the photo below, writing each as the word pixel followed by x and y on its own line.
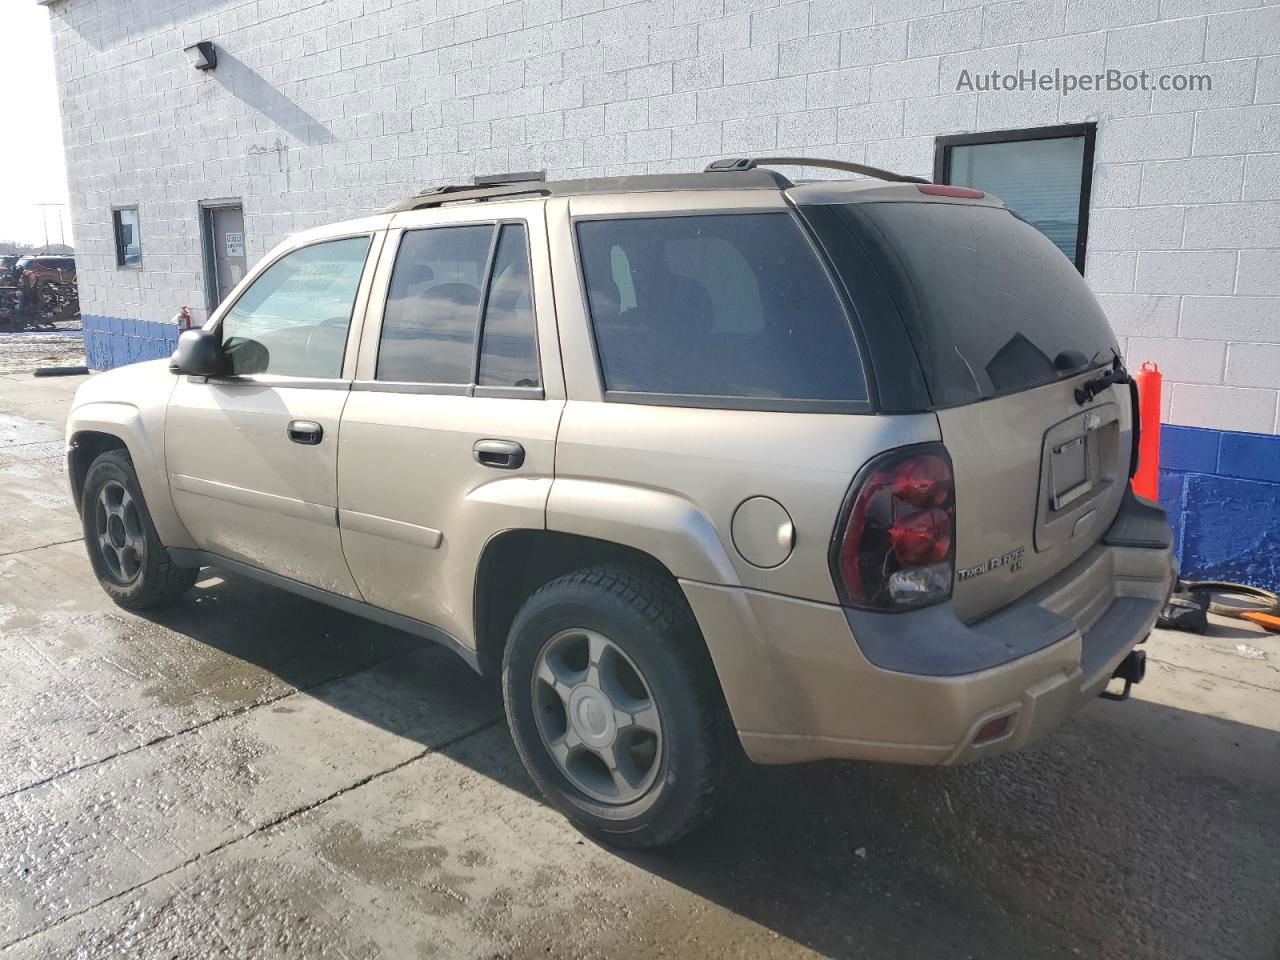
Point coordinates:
pixel 946 190
pixel 923 481
pixel 921 537
pixel 894 549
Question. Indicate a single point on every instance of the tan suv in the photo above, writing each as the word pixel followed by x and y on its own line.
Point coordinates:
pixel 703 466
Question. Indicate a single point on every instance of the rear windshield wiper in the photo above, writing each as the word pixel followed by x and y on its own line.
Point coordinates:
pixel 1091 388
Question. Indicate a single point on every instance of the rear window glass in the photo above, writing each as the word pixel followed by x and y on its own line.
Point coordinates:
pixel 733 306
pixel 988 301
pixel 433 306
pixel 508 346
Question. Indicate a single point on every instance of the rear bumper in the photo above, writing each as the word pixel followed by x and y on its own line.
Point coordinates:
pixel 808 681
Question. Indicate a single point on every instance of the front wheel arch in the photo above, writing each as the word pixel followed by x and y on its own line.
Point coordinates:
pixel 85 447
pixel 158 580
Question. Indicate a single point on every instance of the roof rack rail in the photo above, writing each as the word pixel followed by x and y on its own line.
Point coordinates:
pixel 734 164
pixel 460 192
pixel 502 179
pixel 509 186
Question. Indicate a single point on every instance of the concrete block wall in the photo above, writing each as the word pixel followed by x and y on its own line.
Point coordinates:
pixel 116 341
pixel 1221 489
pixel 320 109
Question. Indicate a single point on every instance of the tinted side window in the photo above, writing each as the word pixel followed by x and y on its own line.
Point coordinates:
pixel 433 305
pixel 733 305
pixel 293 319
pixel 508 348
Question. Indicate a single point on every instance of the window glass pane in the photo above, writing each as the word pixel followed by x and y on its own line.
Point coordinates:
pixel 1040 179
pixel 508 350
pixel 988 301
pixel 730 305
pixel 429 326
pixel 128 239
pixel 293 320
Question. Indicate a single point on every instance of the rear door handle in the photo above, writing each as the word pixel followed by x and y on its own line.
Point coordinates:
pixel 499 454
pixel 305 431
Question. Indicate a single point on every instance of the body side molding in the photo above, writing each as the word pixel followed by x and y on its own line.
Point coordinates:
pixel 386 527
pixel 256 499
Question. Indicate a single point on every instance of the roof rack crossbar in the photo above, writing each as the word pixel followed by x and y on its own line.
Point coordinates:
pixel 734 164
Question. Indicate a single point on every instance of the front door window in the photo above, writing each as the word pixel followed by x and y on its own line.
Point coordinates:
pixel 293 319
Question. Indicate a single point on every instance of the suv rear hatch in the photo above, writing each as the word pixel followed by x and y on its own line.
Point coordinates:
pixel 996 329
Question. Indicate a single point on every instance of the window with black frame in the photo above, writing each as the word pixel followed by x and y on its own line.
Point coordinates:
pixel 1043 174
pixel 128 239
pixel 443 280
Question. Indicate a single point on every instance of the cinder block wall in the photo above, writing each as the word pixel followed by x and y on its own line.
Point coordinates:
pixel 1222 492
pixel 320 109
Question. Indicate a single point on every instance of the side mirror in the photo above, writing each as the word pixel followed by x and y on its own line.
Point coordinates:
pixel 199 354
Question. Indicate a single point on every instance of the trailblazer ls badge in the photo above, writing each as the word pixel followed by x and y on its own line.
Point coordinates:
pixel 1012 560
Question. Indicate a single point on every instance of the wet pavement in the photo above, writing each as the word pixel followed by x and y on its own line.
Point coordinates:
pixel 60 345
pixel 252 774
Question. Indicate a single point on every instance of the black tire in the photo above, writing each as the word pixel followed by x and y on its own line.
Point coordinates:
pixel 158 580
pixel 647 617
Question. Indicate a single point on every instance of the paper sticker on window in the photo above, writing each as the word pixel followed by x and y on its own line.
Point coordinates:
pixel 235 244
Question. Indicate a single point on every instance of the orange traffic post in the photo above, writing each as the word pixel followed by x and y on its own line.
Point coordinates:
pixel 1146 479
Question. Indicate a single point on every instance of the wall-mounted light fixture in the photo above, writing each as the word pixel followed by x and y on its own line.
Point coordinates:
pixel 203 55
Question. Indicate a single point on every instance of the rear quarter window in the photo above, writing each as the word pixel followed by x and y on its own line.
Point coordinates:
pixel 733 306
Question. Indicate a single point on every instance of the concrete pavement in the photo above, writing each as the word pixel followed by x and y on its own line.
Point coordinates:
pixel 252 774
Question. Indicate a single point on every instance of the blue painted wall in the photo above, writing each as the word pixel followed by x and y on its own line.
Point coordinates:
pixel 1222 492
pixel 114 341
pixel 1221 489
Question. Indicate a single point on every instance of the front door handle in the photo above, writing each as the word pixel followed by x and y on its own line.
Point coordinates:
pixel 305 431
pixel 499 454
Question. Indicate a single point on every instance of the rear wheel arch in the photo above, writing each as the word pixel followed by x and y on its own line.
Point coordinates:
pixel 651 717
pixel 515 563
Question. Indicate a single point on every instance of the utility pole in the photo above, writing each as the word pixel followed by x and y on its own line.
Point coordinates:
pixel 44 218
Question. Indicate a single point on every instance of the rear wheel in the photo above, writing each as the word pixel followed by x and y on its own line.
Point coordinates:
pixel 614 706
pixel 131 563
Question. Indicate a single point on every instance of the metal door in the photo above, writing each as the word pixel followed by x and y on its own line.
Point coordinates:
pixel 224 243
pixel 428 472
pixel 252 456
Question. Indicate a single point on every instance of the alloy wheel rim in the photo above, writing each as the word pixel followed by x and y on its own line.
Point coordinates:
pixel 122 544
pixel 597 717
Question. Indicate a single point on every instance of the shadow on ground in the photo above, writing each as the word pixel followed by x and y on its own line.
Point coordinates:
pixel 1137 830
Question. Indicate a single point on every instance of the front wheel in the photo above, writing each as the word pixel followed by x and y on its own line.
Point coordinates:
pixel 131 563
pixel 615 708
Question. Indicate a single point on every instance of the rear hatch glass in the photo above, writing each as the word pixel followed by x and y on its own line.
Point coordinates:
pixel 1004 328
pixel 988 301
